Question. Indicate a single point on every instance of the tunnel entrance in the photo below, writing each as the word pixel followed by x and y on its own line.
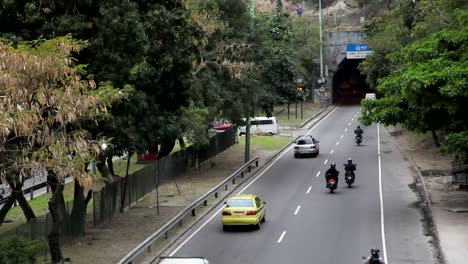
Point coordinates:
pixel 349 86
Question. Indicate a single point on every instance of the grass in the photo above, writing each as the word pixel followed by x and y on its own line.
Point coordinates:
pixel 309 109
pixel 266 142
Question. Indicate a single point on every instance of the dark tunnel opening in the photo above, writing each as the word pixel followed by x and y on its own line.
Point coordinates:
pixel 349 85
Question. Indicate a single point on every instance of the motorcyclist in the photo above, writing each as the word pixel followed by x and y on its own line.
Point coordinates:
pixel 332 173
pixel 374 258
pixel 350 166
pixel 358 132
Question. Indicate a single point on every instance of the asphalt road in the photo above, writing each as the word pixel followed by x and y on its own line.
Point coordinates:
pixel 307 224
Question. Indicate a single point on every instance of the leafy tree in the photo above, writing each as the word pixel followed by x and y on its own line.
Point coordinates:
pixel 44 102
pixel 428 89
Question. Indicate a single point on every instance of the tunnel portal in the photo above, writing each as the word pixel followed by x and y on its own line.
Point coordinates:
pixel 349 85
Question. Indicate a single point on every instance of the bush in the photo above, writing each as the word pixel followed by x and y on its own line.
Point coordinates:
pixel 20 250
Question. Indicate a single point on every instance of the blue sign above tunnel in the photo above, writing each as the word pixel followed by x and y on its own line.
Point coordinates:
pixel 357 51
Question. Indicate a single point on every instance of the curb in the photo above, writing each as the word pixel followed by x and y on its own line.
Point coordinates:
pixel 427 200
pixel 314 116
pixel 255 172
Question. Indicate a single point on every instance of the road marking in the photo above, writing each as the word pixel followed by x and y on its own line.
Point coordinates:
pixel 308 190
pixel 318 173
pixel 346 129
pixel 337 143
pixel 331 152
pixel 281 237
pixel 325 162
pixel 248 185
pixel 382 220
pixel 352 119
pixel 297 210
pixel 342 136
pixel 349 124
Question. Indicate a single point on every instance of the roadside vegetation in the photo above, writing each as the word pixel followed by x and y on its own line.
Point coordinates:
pixel 419 70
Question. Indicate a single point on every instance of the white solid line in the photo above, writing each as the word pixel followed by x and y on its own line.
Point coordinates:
pixel 331 152
pixel 308 190
pixel 325 162
pixel 337 143
pixel 248 185
pixel 346 129
pixel 297 210
pixel 342 136
pixel 281 237
pixel 382 220
pixel 318 173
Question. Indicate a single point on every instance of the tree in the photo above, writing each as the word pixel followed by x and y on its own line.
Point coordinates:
pixel 45 100
pixel 428 89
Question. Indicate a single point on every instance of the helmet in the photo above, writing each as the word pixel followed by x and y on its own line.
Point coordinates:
pixel 358 126
pixel 350 160
pixel 374 252
pixel 332 166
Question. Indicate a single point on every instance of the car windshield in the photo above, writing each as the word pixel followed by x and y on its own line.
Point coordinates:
pixel 240 203
pixel 304 141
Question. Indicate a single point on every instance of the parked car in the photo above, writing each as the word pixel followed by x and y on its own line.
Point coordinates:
pixel 262 125
pixel 243 209
pixel 306 146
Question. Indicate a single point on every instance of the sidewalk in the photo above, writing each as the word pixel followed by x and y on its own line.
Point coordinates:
pixel 449 204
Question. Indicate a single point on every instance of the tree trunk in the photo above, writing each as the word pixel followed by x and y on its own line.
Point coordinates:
pixel 103 169
pixel 59 216
pixel 182 143
pixel 6 207
pixel 435 138
pixel 167 146
pixel 125 183
pixel 110 164
pixel 78 214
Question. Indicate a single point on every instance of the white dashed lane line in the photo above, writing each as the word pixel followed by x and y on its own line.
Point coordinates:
pixel 331 152
pixel 308 190
pixel 345 130
pixel 337 143
pixel 297 210
pixel 325 162
pixel 281 237
pixel 349 124
pixel 342 136
pixel 318 173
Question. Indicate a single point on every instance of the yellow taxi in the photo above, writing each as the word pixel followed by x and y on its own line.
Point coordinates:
pixel 243 209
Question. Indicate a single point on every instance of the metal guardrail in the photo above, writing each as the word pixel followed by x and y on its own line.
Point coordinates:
pixel 177 220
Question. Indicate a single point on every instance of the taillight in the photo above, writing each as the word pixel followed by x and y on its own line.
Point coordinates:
pixel 251 212
pixel 296 147
pixel 226 213
pixel 312 147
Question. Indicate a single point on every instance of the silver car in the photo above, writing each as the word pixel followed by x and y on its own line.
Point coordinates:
pixel 306 145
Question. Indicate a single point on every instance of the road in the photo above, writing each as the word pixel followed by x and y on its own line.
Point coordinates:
pixel 306 224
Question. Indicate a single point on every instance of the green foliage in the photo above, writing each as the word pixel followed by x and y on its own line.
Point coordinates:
pixel 18 250
pixel 427 89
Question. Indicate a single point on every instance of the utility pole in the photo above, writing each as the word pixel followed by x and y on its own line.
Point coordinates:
pixel 321 41
pixel 247 125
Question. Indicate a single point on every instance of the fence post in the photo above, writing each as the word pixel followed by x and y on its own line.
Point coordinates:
pixel 256 163
pixel 193 212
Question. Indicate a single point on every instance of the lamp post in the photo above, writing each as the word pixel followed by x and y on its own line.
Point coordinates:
pixel 321 40
pixel 247 121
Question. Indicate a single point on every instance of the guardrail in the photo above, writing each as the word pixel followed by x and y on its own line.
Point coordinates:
pixel 177 220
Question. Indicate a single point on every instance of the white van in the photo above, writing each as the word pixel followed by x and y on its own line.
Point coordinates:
pixel 261 125
pixel 370 96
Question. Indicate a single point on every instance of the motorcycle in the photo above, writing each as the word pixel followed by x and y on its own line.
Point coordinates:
pixel 374 258
pixel 358 140
pixel 332 184
pixel 349 177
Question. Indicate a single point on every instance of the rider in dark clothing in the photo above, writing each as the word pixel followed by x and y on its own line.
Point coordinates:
pixel 350 166
pixel 331 173
pixel 374 258
pixel 358 131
